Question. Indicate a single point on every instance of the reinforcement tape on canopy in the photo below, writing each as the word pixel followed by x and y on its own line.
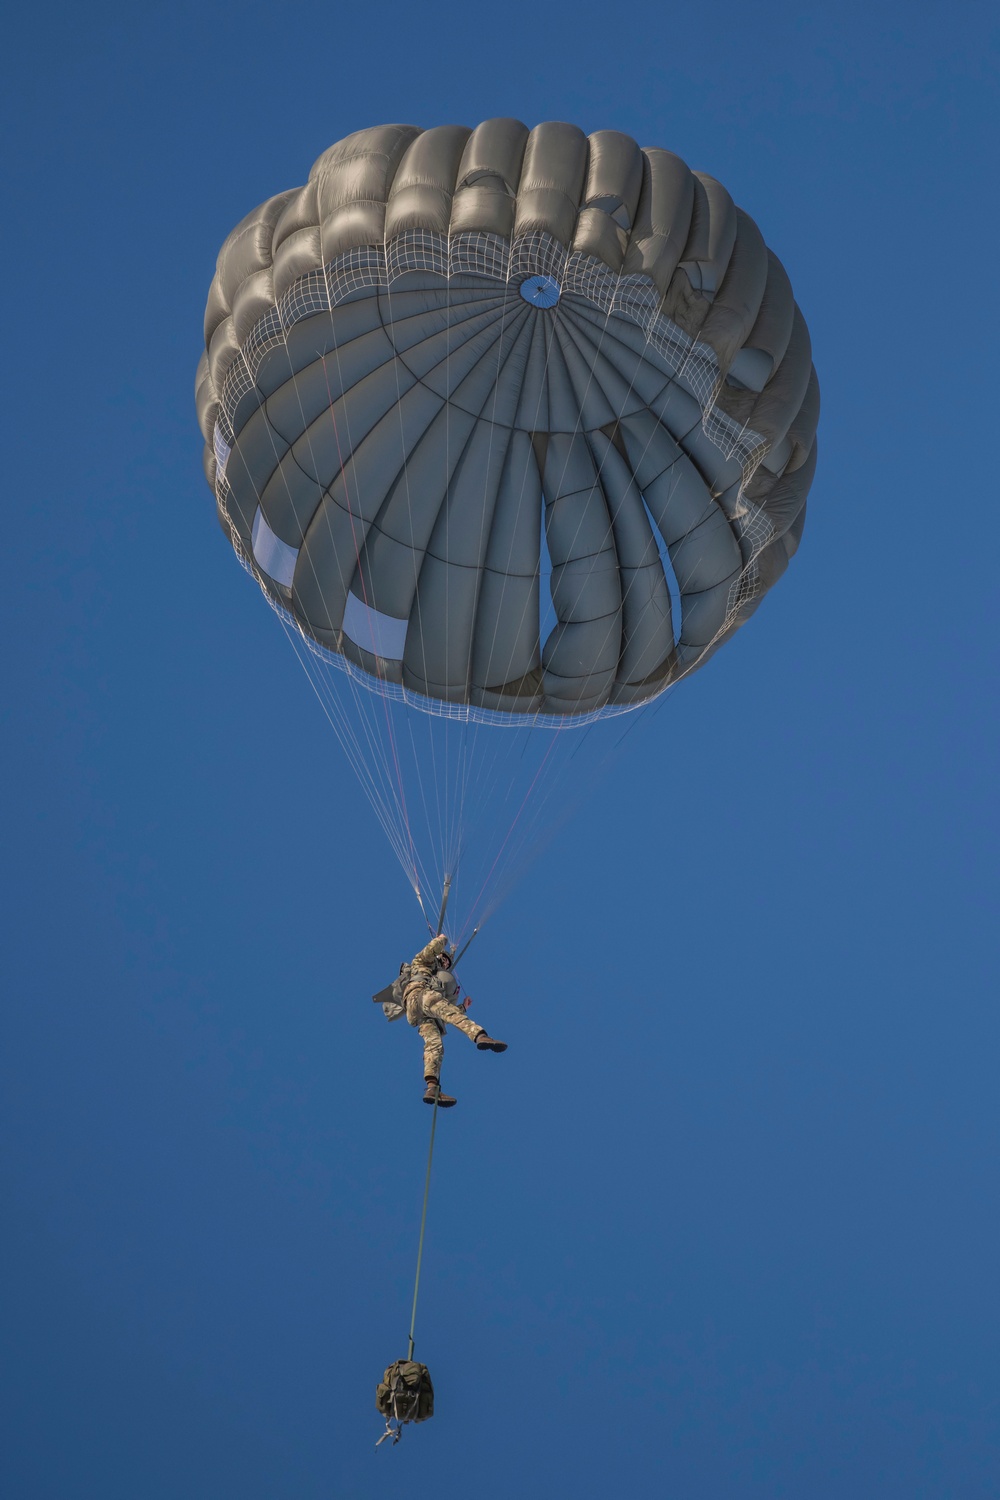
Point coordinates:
pixel 222 450
pixel 275 556
pixel 372 631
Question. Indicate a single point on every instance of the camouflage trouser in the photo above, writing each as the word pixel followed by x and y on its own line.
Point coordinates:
pixel 428 1011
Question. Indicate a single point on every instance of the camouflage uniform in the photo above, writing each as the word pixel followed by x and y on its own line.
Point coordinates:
pixel 429 998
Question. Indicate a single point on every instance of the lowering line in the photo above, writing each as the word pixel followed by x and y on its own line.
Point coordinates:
pixel 406 1393
pixel 423 1226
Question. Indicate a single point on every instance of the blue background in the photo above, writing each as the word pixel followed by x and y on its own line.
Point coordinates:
pixel 723 1221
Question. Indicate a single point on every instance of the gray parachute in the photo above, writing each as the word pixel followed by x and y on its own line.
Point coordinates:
pixel 510 422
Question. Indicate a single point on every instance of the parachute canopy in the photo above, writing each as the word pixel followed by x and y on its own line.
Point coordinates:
pixel 508 422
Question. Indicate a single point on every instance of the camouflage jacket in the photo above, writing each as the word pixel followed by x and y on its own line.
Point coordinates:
pixel 423 966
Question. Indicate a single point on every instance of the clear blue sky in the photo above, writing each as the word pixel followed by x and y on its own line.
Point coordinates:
pixel 722 1224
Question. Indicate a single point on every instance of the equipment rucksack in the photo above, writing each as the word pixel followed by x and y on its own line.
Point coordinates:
pixel 391 998
pixel 404 1394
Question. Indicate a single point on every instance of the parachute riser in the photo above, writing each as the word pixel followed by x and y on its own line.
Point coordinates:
pixel 444 907
pixel 465 947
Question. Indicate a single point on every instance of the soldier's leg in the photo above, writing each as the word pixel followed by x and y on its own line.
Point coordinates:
pixel 412 998
pixel 418 1001
pixel 433 1049
pixel 455 1016
pixel 433 1053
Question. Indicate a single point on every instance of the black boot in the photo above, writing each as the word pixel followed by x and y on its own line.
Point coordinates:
pixel 489 1043
pixel 433 1095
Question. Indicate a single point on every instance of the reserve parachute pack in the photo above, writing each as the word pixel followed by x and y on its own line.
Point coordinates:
pixel 404 1394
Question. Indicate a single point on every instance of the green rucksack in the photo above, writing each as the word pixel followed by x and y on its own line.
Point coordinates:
pixel 404 1394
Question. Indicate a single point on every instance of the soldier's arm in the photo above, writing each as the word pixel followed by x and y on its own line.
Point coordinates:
pixel 427 955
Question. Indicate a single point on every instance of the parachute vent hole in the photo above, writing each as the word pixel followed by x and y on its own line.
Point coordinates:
pixel 614 208
pixel 485 179
pixel 750 370
pixel 540 291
